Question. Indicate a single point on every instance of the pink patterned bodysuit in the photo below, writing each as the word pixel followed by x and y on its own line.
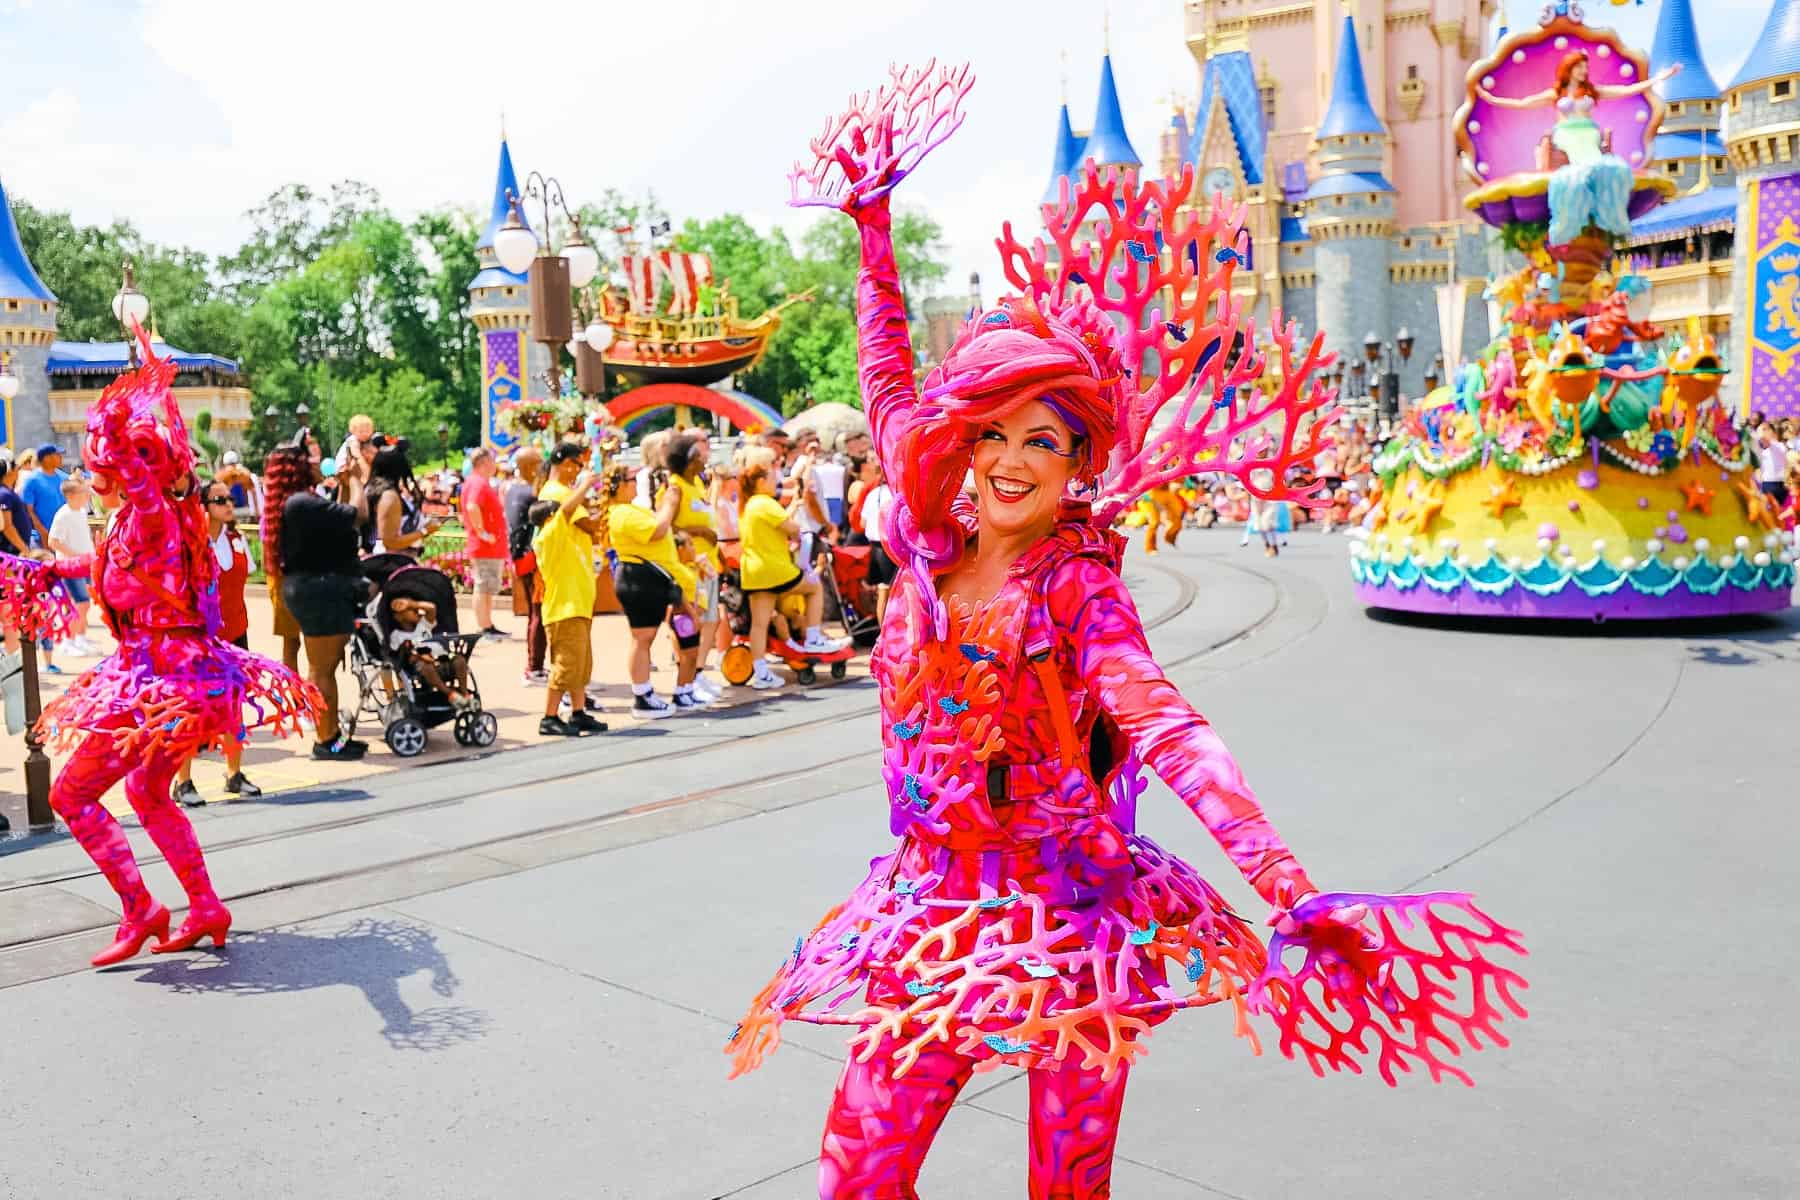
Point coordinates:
pixel 1022 920
pixel 173 687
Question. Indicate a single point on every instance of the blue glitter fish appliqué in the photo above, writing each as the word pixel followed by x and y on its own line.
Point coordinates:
pixel 953 708
pixel 999 1045
pixel 905 732
pixel 918 987
pixel 976 654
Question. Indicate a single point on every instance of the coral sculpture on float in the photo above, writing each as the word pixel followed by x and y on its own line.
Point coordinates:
pixel 1583 466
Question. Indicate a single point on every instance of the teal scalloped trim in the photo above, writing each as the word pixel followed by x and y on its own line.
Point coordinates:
pixel 1545 577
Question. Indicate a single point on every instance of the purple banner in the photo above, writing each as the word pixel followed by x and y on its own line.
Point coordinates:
pixel 1772 308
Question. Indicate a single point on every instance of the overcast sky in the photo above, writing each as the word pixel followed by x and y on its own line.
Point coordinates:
pixel 181 114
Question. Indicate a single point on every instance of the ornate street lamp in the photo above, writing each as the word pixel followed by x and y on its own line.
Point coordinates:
pixel 9 383
pixel 1404 342
pixel 131 308
pixel 271 420
pixel 443 432
pixel 550 276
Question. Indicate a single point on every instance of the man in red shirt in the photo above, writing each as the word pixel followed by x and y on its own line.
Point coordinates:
pixel 484 518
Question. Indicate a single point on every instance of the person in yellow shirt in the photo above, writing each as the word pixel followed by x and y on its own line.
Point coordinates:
pixel 765 528
pixel 653 586
pixel 695 519
pixel 564 548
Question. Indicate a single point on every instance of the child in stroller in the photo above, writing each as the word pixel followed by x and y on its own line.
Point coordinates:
pixel 414 639
pixel 401 680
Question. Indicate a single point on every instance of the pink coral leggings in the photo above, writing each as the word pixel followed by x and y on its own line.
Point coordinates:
pixel 881 1127
pixel 75 795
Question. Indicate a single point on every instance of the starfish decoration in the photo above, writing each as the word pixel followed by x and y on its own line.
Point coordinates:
pixel 1756 505
pixel 1502 496
pixel 1699 497
pixel 1430 504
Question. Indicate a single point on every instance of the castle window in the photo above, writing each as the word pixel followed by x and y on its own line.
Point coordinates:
pixel 1675 108
pixel 1781 89
pixel 1718 164
pixel 12 306
pixel 1412 70
pixel 1267 92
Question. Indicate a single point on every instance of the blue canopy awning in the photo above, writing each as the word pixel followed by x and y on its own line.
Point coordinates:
pixel 1712 209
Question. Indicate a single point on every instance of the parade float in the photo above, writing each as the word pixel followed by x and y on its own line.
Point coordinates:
pixel 1583 466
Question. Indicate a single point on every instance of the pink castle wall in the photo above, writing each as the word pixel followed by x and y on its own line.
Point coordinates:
pixel 1299 51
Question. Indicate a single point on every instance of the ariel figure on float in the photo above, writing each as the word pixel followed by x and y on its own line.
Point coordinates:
pixel 1595 187
pixel 1022 919
pixel 173 687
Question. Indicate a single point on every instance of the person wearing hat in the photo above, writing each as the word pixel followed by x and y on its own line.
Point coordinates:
pixel 42 493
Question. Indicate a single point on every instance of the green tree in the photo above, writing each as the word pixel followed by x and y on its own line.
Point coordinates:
pixel 812 357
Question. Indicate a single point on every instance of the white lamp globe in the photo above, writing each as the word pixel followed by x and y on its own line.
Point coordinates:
pixel 600 335
pixel 9 385
pixel 130 305
pixel 515 246
pixel 584 260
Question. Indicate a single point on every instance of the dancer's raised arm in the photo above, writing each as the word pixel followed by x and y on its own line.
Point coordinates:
pixel 863 153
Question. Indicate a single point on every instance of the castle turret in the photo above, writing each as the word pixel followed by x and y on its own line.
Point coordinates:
pixel 1762 140
pixel 1107 145
pixel 512 364
pixel 27 327
pixel 1350 208
pixel 1688 148
pixel 1066 160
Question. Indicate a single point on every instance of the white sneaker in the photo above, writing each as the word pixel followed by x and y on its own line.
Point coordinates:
pixel 70 649
pixel 651 708
pixel 818 643
pixel 706 689
pixel 765 680
pixel 88 649
pixel 691 701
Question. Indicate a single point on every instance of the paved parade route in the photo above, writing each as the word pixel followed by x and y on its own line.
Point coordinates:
pixel 514 976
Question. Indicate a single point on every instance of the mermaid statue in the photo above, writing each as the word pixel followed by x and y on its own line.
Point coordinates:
pixel 173 687
pixel 1022 919
pixel 1592 186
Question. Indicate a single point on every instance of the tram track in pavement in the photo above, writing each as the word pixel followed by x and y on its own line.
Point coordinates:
pixel 1187 590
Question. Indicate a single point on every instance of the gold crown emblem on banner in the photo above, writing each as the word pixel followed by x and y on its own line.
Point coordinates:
pixel 1785 262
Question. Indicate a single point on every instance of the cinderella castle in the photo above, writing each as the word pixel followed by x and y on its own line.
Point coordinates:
pixel 1332 124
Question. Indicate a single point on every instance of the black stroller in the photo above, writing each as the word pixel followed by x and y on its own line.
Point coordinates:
pixel 388 688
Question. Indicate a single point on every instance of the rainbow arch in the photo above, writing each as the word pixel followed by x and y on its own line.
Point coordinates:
pixel 746 413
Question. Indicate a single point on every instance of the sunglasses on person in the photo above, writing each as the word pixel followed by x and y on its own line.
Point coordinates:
pixel 218 499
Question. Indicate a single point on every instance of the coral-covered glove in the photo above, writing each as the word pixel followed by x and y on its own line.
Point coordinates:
pixel 1334 980
pixel 32 600
pixel 867 149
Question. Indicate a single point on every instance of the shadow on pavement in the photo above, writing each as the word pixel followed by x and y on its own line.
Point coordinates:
pixel 370 955
pixel 1753 627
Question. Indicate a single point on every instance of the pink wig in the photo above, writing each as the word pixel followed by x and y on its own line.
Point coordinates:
pixel 1002 361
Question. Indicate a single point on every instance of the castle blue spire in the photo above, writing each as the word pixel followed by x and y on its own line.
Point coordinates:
pixel 505 180
pixel 1776 50
pixel 1107 145
pixel 1350 110
pixel 1678 44
pixel 1068 157
pixel 17 279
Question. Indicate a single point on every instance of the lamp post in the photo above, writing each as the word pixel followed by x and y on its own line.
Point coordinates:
pixel 130 308
pixel 271 420
pixel 550 276
pixel 37 764
pixel 443 432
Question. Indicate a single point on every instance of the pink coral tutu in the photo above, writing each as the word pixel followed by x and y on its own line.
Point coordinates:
pixel 178 692
pixel 984 951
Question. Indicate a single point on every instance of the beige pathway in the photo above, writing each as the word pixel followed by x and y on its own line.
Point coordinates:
pixel 286 765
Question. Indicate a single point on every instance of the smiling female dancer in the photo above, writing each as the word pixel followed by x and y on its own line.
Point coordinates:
pixel 1021 920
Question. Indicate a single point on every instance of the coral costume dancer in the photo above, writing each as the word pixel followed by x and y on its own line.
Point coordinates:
pixel 1021 919
pixel 173 687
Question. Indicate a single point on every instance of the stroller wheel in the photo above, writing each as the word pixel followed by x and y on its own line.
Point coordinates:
pixel 839 669
pixel 477 729
pixel 806 675
pixel 406 737
pixel 737 665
